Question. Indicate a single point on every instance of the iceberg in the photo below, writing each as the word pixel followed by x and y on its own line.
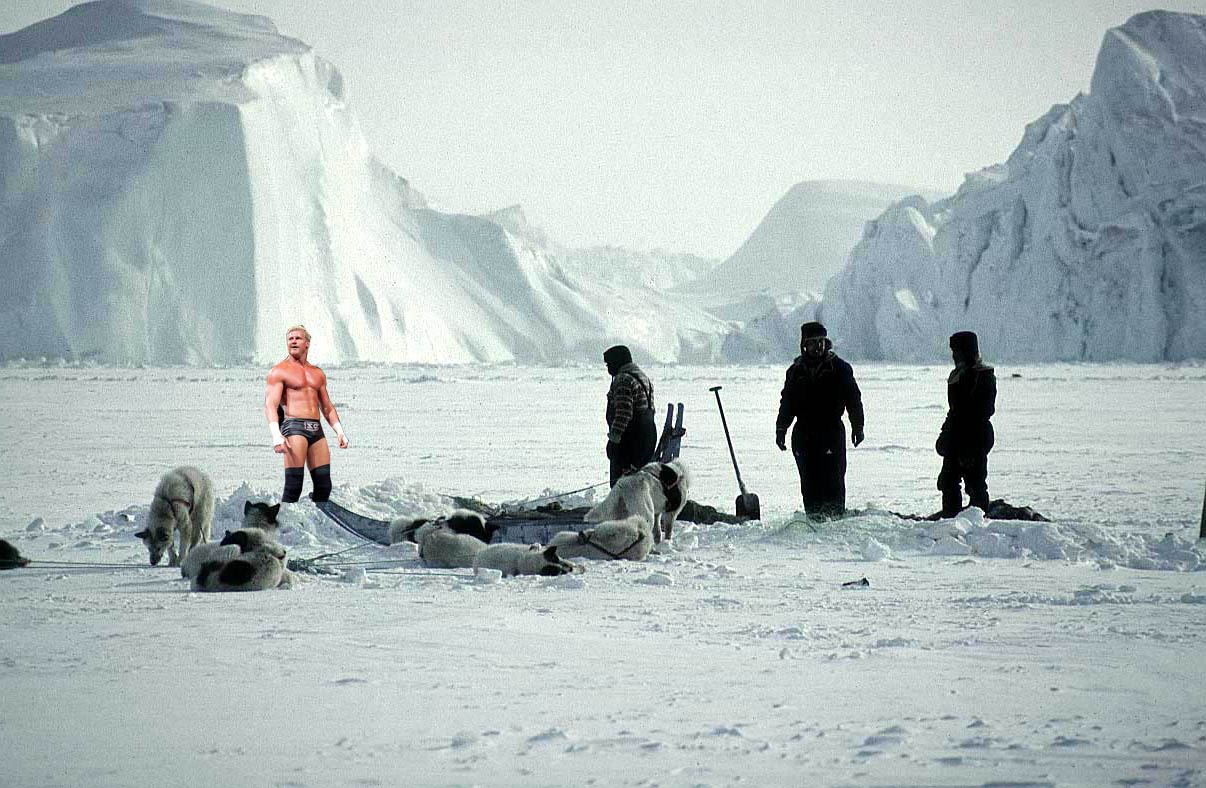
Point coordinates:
pixel 179 184
pixel 1088 243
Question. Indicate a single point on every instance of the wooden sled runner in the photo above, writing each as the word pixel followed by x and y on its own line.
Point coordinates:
pixel 524 526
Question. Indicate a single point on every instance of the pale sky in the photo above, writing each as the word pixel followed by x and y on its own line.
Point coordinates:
pixel 679 124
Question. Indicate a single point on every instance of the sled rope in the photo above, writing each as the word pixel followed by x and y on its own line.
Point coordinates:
pixel 34 564
pixel 555 496
pixel 307 561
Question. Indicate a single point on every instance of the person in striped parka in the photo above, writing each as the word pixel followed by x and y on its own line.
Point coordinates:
pixel 631 427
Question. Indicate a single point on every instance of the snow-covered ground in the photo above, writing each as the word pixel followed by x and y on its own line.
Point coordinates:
pixel 1067 653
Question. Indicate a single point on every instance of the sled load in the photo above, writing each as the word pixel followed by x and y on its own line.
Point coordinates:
pixel 520 526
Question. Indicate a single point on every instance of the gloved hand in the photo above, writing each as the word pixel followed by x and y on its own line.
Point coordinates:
pixel 611 450
pixel 856 437
pixel 781 440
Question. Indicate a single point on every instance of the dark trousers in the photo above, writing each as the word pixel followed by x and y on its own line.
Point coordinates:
pixel 636 446
pixel 972 470
pixel 821 461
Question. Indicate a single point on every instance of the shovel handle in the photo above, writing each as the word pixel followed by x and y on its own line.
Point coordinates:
pixel 740 484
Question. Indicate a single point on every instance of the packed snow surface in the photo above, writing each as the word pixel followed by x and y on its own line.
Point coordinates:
pixel 981 652
pixel 1088 243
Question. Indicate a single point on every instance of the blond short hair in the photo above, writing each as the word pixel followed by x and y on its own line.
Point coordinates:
pixel 298 327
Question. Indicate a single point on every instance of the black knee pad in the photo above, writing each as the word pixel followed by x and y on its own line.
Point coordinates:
pixel 320 477
pixel 293 484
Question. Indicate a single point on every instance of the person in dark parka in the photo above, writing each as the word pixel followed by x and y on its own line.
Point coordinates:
pixel 967 435
pixel 631 427
pixel 818 388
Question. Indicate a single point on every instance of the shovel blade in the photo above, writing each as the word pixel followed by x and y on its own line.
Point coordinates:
pixel 749 507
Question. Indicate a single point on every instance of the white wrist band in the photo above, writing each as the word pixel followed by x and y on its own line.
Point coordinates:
pixel 338 429
pixel 275 428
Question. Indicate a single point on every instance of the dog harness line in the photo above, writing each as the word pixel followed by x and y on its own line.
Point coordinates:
pixel 617 556
pixel 188 505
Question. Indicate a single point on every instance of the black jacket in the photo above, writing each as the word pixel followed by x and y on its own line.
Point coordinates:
pixel 971 395
pixel 814 395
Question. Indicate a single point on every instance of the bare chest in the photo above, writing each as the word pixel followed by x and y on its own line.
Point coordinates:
pixel 301 378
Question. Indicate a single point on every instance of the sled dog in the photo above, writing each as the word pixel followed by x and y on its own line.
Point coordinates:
pixel 260 515
pixel 447 542
pixel 258 566
pixel 518 559
pixel 183 504
pixel 461 521
pixel 252 539
pixel 656 493
pixel 10 557
pixel 630 539
pixel 204 553
pixel 258 570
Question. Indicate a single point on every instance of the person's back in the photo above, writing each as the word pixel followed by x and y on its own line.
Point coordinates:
pixel 631 428
pixel 967 435
pixel 971 396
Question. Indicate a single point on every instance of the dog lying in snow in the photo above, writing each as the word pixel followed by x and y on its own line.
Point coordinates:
pixel 638 512
pixel 259 564
pixel 447 542
pixel 255 515
pixel 630 539
pixel 183 504
pixel 518 559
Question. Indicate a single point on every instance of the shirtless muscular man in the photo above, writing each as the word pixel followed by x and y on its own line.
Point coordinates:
pixel 297 391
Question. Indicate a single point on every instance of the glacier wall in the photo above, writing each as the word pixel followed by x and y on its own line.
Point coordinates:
pixel 127 235
pixel 1088 243
pixel 185 187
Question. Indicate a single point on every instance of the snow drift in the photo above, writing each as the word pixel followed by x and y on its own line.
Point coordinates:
pixel 178 184
pixel 1088 243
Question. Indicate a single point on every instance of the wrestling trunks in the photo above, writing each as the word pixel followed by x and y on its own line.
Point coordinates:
pixel 310 429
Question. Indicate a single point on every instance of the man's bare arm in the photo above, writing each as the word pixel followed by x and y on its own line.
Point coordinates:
pixel 273 393
pixel 328 410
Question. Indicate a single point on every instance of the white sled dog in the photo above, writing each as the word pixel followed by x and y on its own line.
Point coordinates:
pixel 519 559
pixel 630 539
pixel 183 504
pixel 639 511
pixel 255 515
pixel 445 543
pixel 259 565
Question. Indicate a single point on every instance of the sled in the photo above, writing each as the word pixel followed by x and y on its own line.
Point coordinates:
pixel 524 526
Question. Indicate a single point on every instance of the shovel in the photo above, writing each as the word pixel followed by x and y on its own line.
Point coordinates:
pixel 747 503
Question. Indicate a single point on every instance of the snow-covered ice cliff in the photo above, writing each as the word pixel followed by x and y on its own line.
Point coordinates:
pixel 179 183
pixel 1088 243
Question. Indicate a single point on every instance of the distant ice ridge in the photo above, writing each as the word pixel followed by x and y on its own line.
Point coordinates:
pixel 1088 243
pixel 178 184
pixel 805 238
